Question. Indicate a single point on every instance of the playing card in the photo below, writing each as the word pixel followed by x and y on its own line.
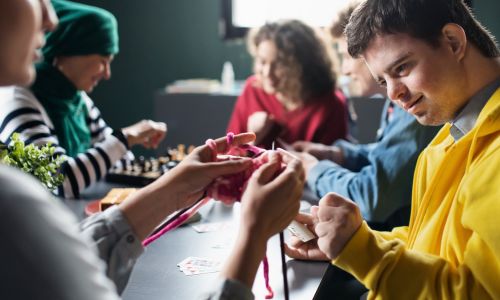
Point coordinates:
pixel 199 265
pixel 192 270
pixel 301 231
pixel 200 262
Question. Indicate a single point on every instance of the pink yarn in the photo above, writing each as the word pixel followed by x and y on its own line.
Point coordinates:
pixel 229 138
pixel 270 291
pixel 176 223
pixel 230 188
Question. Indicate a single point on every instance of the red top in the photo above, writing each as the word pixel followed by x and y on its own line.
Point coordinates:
pixel 321 120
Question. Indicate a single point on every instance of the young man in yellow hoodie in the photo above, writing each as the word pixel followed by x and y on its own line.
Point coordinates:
pixel 442 66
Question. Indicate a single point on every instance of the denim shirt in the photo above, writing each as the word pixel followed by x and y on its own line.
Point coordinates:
pixel 377 176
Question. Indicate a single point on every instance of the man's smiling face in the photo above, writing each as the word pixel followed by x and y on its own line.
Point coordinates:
pixel 424 80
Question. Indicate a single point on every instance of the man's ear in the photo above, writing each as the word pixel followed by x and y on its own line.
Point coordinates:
pixel 455 39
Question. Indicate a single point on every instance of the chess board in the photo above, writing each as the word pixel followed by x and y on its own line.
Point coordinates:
pixel 142 171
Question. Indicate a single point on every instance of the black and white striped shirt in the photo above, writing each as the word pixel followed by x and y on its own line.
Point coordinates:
pixel 21 112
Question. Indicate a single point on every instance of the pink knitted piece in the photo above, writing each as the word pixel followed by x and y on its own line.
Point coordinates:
pixel 230 188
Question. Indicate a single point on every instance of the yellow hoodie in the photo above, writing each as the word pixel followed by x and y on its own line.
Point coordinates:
pixel 451 249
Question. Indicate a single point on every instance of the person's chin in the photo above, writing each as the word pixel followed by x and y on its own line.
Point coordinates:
pixel 89 88
pixel 427 119
pixel 27 78
pixel 269 89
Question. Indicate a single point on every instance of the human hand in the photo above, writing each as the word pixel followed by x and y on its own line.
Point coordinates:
pixel 260 123
pixel 338 219
pixel 308 161
pixel 146 132
pixel 268 205
pixel 320 151
pixel 295 248
pixel 270 201
pixel 182 185
pixel 190 178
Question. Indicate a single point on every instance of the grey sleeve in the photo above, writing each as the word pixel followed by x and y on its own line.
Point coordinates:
pixel 227 289
pixel 43 255
pixel 115 242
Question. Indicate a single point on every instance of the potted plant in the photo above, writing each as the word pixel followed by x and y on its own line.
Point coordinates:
pixel 39 162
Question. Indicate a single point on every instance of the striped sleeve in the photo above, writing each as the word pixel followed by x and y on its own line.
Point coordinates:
pixel 99 131
pixel 22 113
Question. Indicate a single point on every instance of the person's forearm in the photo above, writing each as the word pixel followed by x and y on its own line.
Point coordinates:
pixel 336 155
pixel 245 258
pixel 149 206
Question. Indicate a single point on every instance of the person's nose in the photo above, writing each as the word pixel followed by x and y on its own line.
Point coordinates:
pixel 396 90
pixel 266 70
pixel 107 71
pixel 346 68
pixel 49 17
pixel 346 65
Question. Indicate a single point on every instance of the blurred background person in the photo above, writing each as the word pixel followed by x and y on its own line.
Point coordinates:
pixel 57 110
pixel 292 95
pixel 377 176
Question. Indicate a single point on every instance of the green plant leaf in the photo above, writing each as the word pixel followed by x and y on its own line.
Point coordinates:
pixel 39 162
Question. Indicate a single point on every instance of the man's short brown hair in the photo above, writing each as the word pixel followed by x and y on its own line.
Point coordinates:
pixel 422 19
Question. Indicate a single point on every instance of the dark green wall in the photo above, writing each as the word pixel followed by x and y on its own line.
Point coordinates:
pixel 165 40
pixel 161 41
pixel 487 11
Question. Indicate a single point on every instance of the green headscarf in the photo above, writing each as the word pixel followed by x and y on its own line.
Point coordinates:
pixel 82 30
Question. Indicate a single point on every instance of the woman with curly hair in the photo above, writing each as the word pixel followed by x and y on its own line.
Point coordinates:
pixel 292 94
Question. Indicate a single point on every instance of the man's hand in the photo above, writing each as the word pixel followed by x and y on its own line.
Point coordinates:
pixel 338 219
pixel 146 132
pixel 320 151
pixel 309 250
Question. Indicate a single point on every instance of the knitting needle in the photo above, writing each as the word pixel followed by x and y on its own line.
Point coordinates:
pixel 177 215
pixel 283 260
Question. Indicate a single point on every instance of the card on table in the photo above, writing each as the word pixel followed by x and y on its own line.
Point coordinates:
pixel 199 265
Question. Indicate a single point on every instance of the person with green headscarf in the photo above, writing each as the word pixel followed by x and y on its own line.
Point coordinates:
pixel 57 110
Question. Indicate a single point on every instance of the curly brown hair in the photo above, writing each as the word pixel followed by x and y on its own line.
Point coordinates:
pixel 302 55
